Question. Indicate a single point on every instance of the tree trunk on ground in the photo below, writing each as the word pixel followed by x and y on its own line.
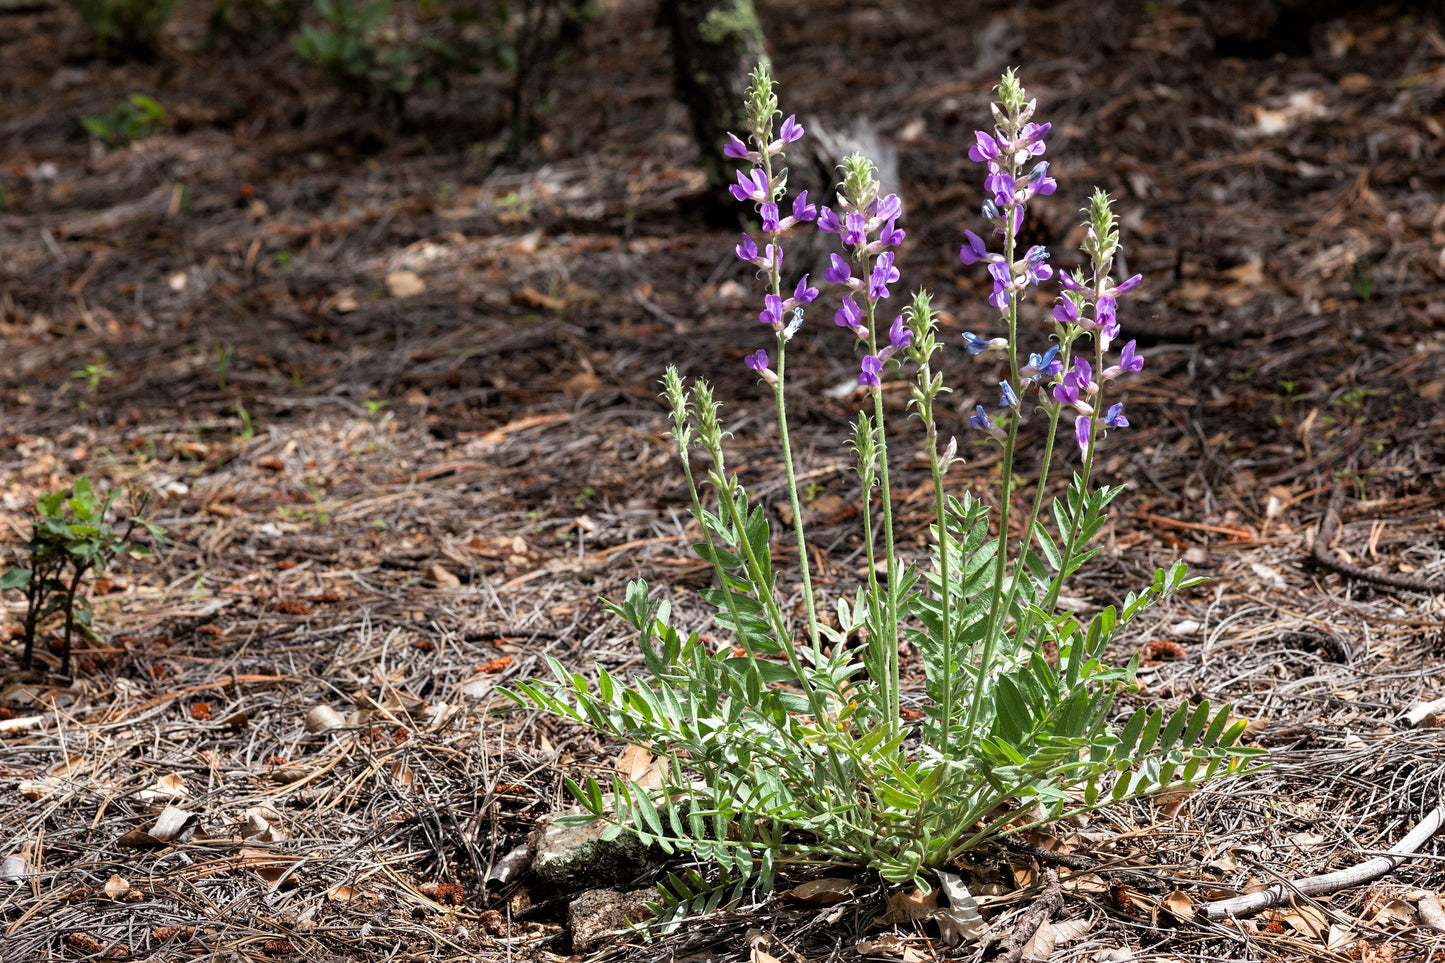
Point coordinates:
pixel 715 45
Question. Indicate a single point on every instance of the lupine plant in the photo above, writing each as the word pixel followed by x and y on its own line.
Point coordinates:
pixel 788 744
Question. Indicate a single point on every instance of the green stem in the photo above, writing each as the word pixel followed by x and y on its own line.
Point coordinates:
pixel 996 616
pixel 890 635
pixel 793 500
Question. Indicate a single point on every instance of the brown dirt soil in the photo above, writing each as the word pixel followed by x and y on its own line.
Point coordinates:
pixel 389 504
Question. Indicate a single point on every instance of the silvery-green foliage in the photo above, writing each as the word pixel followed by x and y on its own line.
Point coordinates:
pixel 787 744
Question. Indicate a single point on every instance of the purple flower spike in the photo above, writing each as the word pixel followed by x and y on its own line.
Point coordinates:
pixel 1082 427
pixel 751 186
pixel 803 293
pixel 1128 360
pixel 1066 311
pixel 802 210
pixel 1115 418
pixel 769 212
pixel 747 250
pixel 1129 285
pixel 855 230
pixel 840 272
pixel 980 420
pixel 973 344
pixel 849 315
pixel 974 251
pixel 899 336
pixel 828 222
pixel 772 312
pixel 1008 399
pixel 870 368
pixel 735 149
pixel 985 148
pixel 884 274
pixel 791 130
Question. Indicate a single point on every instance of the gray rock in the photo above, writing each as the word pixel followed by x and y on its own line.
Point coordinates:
pixel 598 914
pixel 574 857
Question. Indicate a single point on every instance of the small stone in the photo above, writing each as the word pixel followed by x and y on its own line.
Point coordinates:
pixel 572 857
pixel 597 914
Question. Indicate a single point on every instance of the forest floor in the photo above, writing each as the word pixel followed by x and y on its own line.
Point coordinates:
pixel 396 405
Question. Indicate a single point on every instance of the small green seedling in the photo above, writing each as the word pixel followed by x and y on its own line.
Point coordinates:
pixel 69 537
pixel 135 118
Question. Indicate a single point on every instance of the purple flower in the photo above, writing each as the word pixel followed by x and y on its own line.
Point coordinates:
pixel 1107 313
pixel 1039 180
pixel 802 210
pixel 1032 137
pixel 973 344
pixel 891 236
pixel 1115 418
pixel 769 212
pixel 1000 185
pixel 1066 311
pixel 828 222
pixel 791 130
pixel 735 148
pixel 840 272
pixel 888 208
pixel 855 230
pixel 884 274
pixel 985 149
pixel 850 316
pixel 1070 281
pixel 1037 271
pixel 758 361
pixel 1066 393
pixel 1082 427
pixel 1128 360
pixel 1083 373
pixel 899 337
pixel 974 251
pixel 803 293
pixel 753 185
pixel 989 209
pixel 772 312
pixel 1008 399
pixel 793 325
pixel 1129 285
pixel 773 257
pixel 1042 365
pixel 980 420
pixel 747 250
pixel 870 368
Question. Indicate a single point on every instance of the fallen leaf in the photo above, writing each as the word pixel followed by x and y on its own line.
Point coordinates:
pixel 762 956
pixel 1051 934
pixel 404 284
pixel 961 920
pixel 117 886
pixel 322 718
pixel 1180 905
pixel 909 906
pixel 443 578
pixel 892 946
pixel 823 892
pixel 169 786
